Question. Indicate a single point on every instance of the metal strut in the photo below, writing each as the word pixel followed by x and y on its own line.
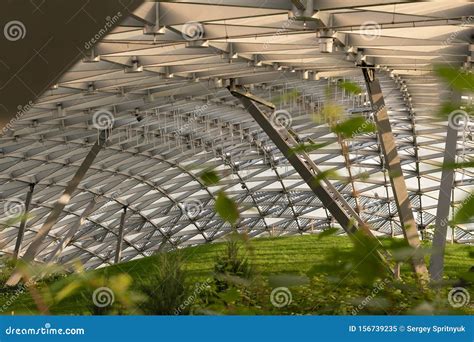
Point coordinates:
pixel 118 251
pixel 53 217
pixel 444 202
pixel 285 140
pixel 394 168
pixel 24 218
pixel 330 197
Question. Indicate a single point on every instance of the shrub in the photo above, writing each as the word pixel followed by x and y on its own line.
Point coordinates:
pixel 166 289
pixel 231 265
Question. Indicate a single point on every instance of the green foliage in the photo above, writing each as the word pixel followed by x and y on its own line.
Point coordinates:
pixel 461 165
pixel 327 174
pixel 361 261
pixel 81 286
pixel 226 208
pixel 350 87
pixel 456 78
pixel 353 127
pixel 329 114
pixel 210 177
pixel 307 147
pixel 327 232
pixel 232 266
pixel 466 211
pixel 331 289
pixel 165 289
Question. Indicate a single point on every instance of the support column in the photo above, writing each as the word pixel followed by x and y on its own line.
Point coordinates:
pixel 444 203
pixel 394 168
pixel 118 251
pixel 24 218
pixel 59 206
pixel 72 231
pixel 285 141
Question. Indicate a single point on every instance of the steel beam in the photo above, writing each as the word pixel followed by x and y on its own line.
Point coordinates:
pixel 394 168
pixel 307 169
pixel 72 231
pixel 118 251
pixel 444 203
pixel 24 218
pixel 59 206
pixel 331 199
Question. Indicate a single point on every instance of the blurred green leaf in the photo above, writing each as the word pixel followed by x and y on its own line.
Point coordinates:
pixel 354 126
pixel 407 253
pixel 307 147
pixel 462 165
pixel 456 78
pixel 465 213
pixel 350 87
pixel 446 108
pixel 327 232
pixel 210 177
pixel 11 221
pixel 68 290
pixel 328 174
pixel 227 208
pixel 329 114
pixel 363 176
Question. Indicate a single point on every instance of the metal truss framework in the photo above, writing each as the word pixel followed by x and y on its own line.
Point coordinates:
pixel 161 76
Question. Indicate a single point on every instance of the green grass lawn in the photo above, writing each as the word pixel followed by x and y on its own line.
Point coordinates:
pixel 269 256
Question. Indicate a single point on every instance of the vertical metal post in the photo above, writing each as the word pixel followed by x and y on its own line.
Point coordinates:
pixel 393 165
pixel 118 251
pixel 59 206
pixel 444 202
pixel 24 218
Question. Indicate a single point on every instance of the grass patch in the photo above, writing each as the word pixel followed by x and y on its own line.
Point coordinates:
pixel 269 256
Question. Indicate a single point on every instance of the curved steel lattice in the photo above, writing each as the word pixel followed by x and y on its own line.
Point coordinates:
pixel 158 86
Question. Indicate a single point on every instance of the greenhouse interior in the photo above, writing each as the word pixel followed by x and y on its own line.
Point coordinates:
pixel 239 157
